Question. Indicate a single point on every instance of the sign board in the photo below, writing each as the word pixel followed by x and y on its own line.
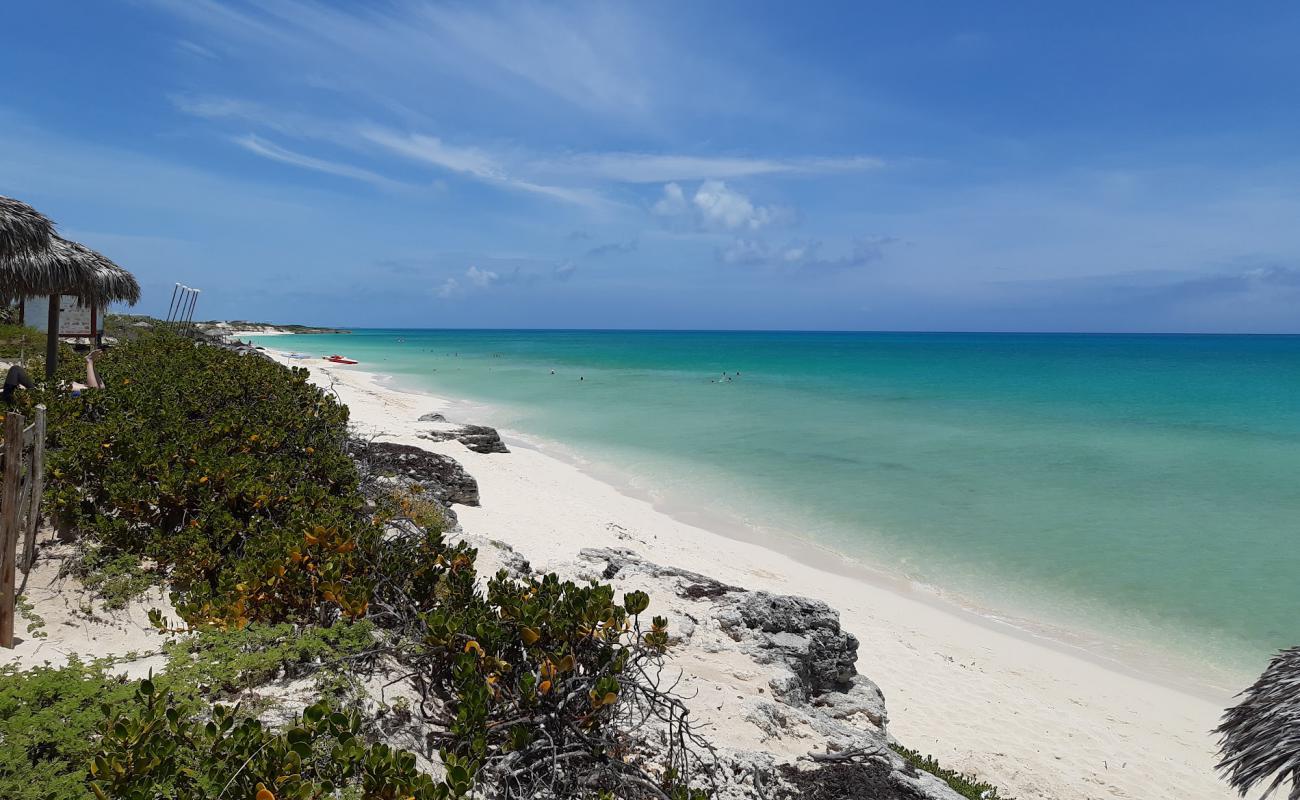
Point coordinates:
pixel 75 319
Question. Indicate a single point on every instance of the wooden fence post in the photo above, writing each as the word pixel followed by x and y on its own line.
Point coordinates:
pixel 36 483
pixel 9 523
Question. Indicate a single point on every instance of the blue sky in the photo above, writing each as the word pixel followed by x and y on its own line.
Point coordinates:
pixel 934 166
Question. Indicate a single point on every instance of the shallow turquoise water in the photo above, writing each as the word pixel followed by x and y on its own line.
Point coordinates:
pixel 1140 488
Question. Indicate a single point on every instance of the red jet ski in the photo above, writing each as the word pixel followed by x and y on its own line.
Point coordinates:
pixel 338 359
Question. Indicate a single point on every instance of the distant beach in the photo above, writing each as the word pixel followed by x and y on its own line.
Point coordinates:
pixel 1036 717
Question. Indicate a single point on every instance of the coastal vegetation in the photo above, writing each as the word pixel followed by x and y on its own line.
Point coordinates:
pixel 227 478
pixel 298 569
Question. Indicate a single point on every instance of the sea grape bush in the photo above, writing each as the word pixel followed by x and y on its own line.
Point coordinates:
pixel 160 747
pixel 228 471
pixel 546 687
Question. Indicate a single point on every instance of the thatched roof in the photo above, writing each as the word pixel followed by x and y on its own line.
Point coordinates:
pixel 24 231
pixel 116 285
pixel 1260 736
pixel 65 267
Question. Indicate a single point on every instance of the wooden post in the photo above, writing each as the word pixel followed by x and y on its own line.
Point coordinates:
pixel 9 523
pixel 36 480
pixel 52 337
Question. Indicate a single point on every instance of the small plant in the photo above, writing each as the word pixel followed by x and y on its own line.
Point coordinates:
pixel 964 785
pixel 222 663
pixel 117 579
pixel 35 622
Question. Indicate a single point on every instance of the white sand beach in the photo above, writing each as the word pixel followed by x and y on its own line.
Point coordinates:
pixel 1028 716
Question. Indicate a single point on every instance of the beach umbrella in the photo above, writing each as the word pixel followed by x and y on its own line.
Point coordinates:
pixel 23 229
pixel 66 267
pixel 1260 736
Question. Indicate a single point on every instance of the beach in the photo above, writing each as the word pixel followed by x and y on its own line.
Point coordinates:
pixel 1032 716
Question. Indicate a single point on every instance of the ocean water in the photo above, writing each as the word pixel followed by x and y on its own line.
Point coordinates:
pixel 1139 495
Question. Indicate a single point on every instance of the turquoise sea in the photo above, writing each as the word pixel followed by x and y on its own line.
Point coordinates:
pixel 1140 494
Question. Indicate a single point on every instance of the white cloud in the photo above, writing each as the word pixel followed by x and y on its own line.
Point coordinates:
pixel 723 207
pixel 449 288
pixel 672 203
pixel 481 277
pixel 261 147
pixel 716 206
pixel 651 168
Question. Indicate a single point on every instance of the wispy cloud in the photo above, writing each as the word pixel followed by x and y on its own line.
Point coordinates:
pixel 475 163
pixel 804 255
pixel 195 49
pixel 261 147
pixel 648 168
pixel 598 58
pixel 612 249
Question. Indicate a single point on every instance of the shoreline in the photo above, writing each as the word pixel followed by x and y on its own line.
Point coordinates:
pixel 980 693
pixel 1162 666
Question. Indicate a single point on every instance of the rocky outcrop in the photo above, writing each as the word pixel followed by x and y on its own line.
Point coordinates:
pixel 479 438
pixel 441 478
pixel 432 418
pixel 813 681
pixel 688 584
pixel 802 633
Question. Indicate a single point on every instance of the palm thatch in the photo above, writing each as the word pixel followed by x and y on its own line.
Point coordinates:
pixel 115 285
pixel 65 267
pixel 1260 736
pixel 24 231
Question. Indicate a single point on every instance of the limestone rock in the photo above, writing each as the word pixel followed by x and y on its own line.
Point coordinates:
pixel 441 477
pixel 479 438
pixel 803 633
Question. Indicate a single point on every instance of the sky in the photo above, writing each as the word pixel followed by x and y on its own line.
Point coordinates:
pixel 1097 166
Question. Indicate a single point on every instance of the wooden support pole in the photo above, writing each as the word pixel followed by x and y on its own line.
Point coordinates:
pixel 37 482
pixel 9 524
pixel 52 337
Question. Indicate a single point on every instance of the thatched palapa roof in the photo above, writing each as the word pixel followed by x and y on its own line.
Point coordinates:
pixel 23 230
pixel 65 267
pixel 116 285
pixel 1260 736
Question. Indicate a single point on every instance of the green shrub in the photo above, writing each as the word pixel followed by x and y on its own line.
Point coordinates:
pixel 229 471
pixel 160 746
pixel 50 719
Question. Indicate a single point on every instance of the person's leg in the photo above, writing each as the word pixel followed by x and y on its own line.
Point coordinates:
pixel 17 376
pixel 91 380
